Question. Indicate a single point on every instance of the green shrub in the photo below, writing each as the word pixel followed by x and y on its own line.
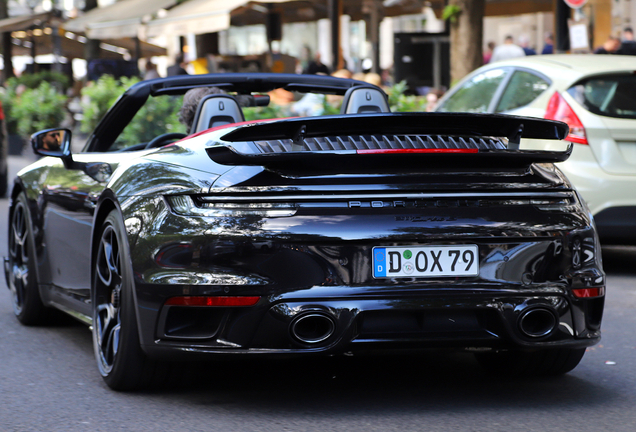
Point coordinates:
pixel 97 98
pixel 158 116
pixel 400 102
pixel 10 99
pixel 33 80
pixel 39 108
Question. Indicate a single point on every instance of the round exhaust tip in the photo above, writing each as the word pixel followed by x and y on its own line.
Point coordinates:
pixel 312 328
pixel 537 322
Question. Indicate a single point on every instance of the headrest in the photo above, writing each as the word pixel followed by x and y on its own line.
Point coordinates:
pixel 364 100
pixel 216 110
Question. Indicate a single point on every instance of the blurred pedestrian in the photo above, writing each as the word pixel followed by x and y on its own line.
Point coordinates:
pixel 548 48
pixel 151 71
pixel 316 66
pixel 342 73
pixel 628 45
pixel 507 51
pixel 387 77
pixel 488 53
pixel 373 79
pixel 358 76
pixel 610 46
pixel 178 68
pixel 524 43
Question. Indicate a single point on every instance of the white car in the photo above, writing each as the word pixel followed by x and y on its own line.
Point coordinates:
pixel 596 96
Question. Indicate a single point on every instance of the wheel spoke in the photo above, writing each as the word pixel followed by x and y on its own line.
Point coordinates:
pixel 102 322
pixel 115 338
pixel 107 298
pixel 24 248
pixel 108 328
pixel 18 235
pixel 19 257
pixel 17 285
pixel 104 261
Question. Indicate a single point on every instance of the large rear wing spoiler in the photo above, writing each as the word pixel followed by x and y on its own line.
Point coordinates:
pixel 390 142
pixel 512 127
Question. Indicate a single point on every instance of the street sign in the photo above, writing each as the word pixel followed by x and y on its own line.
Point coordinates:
pixel 575 4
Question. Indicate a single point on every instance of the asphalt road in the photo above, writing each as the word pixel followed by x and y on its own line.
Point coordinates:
pixel 49 382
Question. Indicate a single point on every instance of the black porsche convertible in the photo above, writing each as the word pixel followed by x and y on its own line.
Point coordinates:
pixel 360 232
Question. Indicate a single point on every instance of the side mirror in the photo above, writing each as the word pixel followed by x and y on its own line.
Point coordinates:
pixel 52 142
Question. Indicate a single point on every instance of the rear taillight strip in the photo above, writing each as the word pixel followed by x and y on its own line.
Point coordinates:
pixel 448 195
pixel 211 301
pixel 588 292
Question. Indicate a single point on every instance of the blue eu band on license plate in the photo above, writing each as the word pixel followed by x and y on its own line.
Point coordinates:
pixel 425 261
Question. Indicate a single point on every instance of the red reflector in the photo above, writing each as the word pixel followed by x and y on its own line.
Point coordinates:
pixel 588 292
pixel 417 151
pixel 558 109
pixel 212 301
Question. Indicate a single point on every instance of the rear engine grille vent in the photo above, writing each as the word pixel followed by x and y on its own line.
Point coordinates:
pixel 375 142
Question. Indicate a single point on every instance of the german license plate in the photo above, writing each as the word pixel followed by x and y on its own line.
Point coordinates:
pixel 425 261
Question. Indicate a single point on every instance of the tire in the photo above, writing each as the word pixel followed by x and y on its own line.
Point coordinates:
pixel 120 359
pixel 25 294
pixel 556 361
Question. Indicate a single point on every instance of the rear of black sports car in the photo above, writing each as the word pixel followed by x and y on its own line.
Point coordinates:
pixel 369 233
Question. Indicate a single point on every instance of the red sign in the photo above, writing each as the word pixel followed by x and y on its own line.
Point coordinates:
pixel 575 4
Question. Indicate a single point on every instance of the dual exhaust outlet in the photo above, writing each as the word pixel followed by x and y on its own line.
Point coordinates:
pixel 312 328
pixel 537 322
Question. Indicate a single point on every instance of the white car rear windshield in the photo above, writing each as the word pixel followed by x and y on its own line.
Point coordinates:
pixel 607 95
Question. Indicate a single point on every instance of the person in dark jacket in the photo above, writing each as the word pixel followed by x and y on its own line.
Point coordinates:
pixel 628 45
pixel 316 66
pixel 548 48
pixel 178 68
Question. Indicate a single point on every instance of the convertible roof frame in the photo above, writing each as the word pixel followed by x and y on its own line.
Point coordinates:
pixel 252 83
pixel 243 83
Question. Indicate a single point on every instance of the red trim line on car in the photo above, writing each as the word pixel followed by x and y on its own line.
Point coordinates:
pixel 372 151
pixel 248 122
pixel 225 126
pixel 588 292
pixel 212 301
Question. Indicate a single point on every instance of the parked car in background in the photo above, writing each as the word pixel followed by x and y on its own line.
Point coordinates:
pixel 596 96
pixel 366 231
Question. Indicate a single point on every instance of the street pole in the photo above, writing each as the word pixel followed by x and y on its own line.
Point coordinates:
pixel 562 13
pixel 334 17
pixel 371 9
pixel 7 46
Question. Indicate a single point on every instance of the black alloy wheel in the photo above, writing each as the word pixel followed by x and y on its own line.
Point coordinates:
pixel 25 295
pixel 120 360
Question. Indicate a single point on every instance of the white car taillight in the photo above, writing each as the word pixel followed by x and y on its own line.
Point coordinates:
pixel 558 109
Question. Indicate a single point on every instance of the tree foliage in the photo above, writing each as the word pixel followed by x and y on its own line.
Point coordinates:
pixel 97 98
pixel 39 108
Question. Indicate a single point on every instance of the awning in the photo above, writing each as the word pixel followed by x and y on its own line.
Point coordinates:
pixel 119 20
pixel 73 47
pixel 202 16
pixel 24 22
pixel 69 48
